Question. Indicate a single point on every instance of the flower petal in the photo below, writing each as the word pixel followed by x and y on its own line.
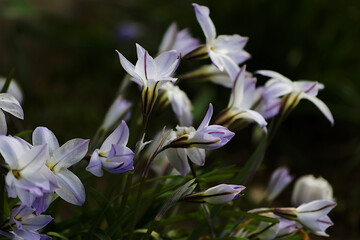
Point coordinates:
pixel 95 164
pixel 196 155
pixel 3 126
pixel 320 105
pixel 275 88
pixel 70 153
pixel 10 104
pixel 129 68
pixel 178 159
pixel 254 116
pixel 11 149
pixel 166 63
pixel 237 92
pixel 168 39
pixel 71 189
pixel 43 135
pixel 205 122
pixel 273 74
pixel 202 15
pixel 119 136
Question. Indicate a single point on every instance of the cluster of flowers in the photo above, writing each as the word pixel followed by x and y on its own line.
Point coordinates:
pixel 36 172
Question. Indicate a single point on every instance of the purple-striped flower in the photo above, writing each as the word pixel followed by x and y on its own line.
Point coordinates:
pixel 60 159
pixel 224 48
pixel 113 155
pixel 24 224
pixel 279 85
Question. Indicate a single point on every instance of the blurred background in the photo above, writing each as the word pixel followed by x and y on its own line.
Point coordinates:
pixel 63 52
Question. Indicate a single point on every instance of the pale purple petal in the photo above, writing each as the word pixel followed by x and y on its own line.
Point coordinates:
pixel 11 149
pixel 309 87
pixel 34 159
pixel 119 136
pixel 275 88
pixel 205 122
pixel 3 125
pixel 95 164
pixel 237 92
pixel 216 59
pixel 36 222
pixel 71 189
pixel 40 204
pixel 202 15
pixel 43 135
pixel 253 116
pixel 129 67
pixel 168 39
pixel 70 153
pixel 166 63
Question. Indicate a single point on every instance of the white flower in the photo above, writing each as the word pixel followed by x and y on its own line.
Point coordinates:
pixel 119 109
pixel 60 159
pixel 28 177
pixel 224 48
pixel 308 188
pixel 14 89
pixel 313 215
pixel 280 85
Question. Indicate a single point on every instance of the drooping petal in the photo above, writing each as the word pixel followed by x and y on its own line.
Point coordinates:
pixel 129 68
pixel 216 60
pixel 272 74
pixel 205 122
pixel 310 87
pixel 320 105
pixel 202 15
pixel 71 189
pixel 95 164
pixel 178 159
pixel 10 104
pixel 230 66
pixel 196 155
pixel 43 135
pixel 119 136
pixel 69 153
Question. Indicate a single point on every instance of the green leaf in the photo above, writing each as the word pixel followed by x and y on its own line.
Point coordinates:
pixel 24 133
pixel 58 235
pixel 230 238
pixel 238 213
pixel 100 234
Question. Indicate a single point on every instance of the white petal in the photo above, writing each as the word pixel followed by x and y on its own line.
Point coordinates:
pixel 10 104
pixel 215 58
pixel 71 189
pixel 309 87
pixel 272 74
pixel 230 43
pixel 166 63
pixel 129 68
pixel 314 210
pixel 145 67
pixel 178 159
pixel 36 222
pixel 3 126
pixel 320 105
pixel 119 136
pixel 196 155
pixel 275 88
pixel 237 92
pixel 230 66
pixel 43 135
pixel 202 15
pixel 34 159
pixel 168 40
pixel 11 149
pixel 140 51
pixel 205 122
pixel 70 153
pixel 254 116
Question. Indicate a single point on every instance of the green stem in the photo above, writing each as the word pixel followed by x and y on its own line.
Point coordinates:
pixel 2 198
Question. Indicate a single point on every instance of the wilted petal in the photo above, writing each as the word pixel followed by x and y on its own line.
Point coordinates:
pixel 202 15
pixel 196 155
pixel 320 105
pixel 119 136
pixel 70 153
pixel 71 189
pixel 10 104
pixel 95 164
pixel 43 135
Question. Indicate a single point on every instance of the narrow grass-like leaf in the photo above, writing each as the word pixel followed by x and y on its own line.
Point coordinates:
pixel 230 213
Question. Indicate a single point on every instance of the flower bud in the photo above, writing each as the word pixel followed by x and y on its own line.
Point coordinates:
pixel 278 181
pixel 308 188
pixel 219 194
